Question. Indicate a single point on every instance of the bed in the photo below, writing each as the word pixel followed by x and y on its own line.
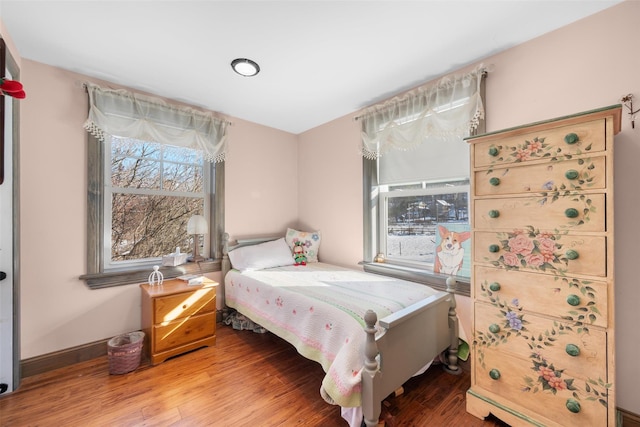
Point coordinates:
pixel 370 333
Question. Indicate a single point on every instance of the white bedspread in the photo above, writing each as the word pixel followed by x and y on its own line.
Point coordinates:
pixel 319 308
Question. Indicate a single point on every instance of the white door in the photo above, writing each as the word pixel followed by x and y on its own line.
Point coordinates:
pixel 7 351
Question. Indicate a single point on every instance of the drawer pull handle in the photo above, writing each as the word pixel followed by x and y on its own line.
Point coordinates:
pixel 494 213
pixel 494 374
pixel 571 174
pixel 571 254
pixel 184 307
pixel 571 213
pixel 571 138
pixel 573 300
pixel 494 248
pixel 573 405
pixel 494 328
pixel 493 151
pixel 495 286
pixel 494 181
pixel 572 350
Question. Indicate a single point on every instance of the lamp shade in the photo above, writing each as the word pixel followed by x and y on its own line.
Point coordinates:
pixel 197 225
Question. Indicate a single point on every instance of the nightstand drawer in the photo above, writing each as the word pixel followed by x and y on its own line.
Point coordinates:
pixel 571 175
pixel 580 212
pixel 508 328
pixel 177 306
pixel 179 332
pixel 544 144
pixel 527 249
pixel 541 387
pixel 572 299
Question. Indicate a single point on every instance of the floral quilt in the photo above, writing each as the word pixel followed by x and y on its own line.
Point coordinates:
pixel 319 308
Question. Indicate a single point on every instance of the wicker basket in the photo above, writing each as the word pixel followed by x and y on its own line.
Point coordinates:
pixel 124 352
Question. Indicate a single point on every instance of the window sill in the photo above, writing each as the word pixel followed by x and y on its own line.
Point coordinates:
pixel 119 278
pixel 436 281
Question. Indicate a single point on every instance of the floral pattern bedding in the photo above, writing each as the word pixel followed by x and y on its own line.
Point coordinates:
pixel 319 308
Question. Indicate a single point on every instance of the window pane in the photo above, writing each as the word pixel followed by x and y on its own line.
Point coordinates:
pixel 181 177
pixel 412 223
pixel 150 226
pixel 135 163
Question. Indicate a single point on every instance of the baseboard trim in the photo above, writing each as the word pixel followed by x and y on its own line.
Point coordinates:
pixel 63 358
pixel 629 419
pixel 60 359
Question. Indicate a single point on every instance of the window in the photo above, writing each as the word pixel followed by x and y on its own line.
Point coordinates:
pixel 153 189
pixel 151 166
pixel 411 214
pixel 416 178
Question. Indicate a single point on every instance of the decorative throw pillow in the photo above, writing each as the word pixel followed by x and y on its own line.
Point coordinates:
pixel 310 242
pixel 270 254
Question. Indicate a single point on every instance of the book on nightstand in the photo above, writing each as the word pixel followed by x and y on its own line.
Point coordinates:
pixel 192 279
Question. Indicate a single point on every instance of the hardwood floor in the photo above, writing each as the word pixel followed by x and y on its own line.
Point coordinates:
pixel 248 379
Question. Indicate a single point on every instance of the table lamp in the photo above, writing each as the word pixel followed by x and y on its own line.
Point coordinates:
pixel 197 225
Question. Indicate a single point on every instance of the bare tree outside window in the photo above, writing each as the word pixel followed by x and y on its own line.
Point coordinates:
pixel 155 189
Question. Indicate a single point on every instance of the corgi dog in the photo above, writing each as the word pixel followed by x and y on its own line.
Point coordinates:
pixel 449 253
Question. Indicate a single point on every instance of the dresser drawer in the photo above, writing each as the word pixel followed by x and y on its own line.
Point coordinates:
pixel 530 384
pixel 562 141
pixel 527 249
pixel 177 306
pixel 583 302
pixel 168 335
pixel 507 326
pixel 544 178
pixel 580 212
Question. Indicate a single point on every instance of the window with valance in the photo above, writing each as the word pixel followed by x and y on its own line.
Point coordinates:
pixel 416 172
pixel 152 165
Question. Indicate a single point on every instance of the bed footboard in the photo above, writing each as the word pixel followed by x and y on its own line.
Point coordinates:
pixel 411 339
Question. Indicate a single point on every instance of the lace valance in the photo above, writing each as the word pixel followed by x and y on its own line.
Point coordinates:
pixel 123 113
pixel 451 108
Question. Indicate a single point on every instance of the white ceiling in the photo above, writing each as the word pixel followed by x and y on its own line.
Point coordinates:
pixel 320 60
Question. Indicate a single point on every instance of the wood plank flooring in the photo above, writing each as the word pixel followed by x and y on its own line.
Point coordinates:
pixel 247 379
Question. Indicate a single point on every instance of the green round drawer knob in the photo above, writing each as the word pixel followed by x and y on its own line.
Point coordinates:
pixel 572 350
pixel 494 181
pixel 571 254
pixel 495 286
pixel 573 300
pixel 571 213
pixel 571 138
pixel 494 374
pixel 494 248
pixel 573 405
pixel 571 174
pixel 494 213
pixel 493 328
pixel 493 151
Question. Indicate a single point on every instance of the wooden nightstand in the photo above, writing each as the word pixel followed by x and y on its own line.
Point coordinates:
pixel 177 318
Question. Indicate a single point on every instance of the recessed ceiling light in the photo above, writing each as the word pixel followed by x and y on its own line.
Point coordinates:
pixel 245 67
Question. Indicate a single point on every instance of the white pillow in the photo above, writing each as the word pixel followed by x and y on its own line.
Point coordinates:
pixel 275 253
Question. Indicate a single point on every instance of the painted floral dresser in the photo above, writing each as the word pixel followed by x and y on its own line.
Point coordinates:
pixel 542 281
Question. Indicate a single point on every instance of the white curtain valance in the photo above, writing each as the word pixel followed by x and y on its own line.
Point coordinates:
pixel 119 112
pixel 450 109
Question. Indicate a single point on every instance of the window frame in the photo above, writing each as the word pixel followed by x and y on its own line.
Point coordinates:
pixel 429 188
pixel 109 190
pixel 97 275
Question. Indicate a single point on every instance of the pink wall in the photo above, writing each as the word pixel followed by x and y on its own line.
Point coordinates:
pixel 330 197
pixel 589 64
pixel 261 177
